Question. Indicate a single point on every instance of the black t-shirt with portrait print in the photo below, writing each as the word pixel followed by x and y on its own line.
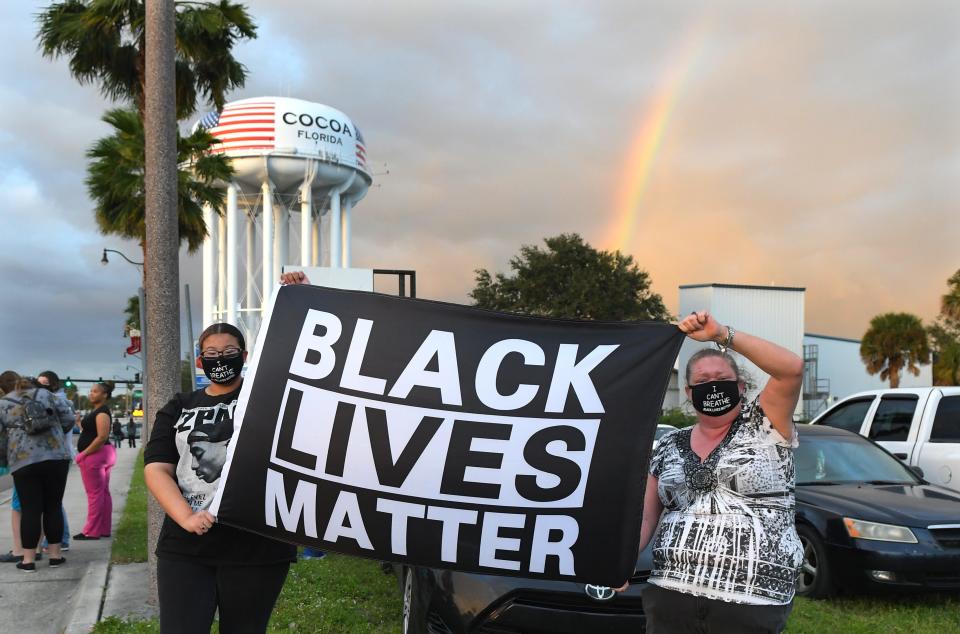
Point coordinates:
pixel 192 432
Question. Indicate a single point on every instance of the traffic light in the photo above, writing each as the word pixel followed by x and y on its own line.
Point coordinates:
pixel 67 384
pixel 136 377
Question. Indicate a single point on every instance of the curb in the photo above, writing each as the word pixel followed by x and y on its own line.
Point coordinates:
pixel 85 608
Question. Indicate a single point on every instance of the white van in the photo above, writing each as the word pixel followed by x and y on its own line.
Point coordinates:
pixel 921 426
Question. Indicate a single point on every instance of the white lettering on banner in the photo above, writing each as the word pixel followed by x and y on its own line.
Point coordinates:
pixel 414 444
pixel 569 373
pixel 446 377
pixel 314 358
pixel 561 549
pixel 491 541
pixel 346 521
pixel 399 512
pixel 304 504
pixel 309 342
pixel 352 379
pixel 452 518
pixel 489 367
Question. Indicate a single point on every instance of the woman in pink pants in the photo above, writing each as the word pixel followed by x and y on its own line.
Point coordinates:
pixel 96 458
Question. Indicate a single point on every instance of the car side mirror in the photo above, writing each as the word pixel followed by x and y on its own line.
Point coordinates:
pixel 917 471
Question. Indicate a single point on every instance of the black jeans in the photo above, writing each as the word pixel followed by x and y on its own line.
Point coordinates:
pixel 672 612
pixel 40 487
pixel 191 593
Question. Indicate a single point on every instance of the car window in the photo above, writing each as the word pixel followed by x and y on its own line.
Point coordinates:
pixel 848 416
pixel 893 418
pixel 946 425
pixel 821 459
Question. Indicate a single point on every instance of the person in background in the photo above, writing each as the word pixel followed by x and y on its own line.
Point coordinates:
pixel 96 457
pixel 117 433
pixel 719 502
pixel 49 380
pixel 39 461
pixel 204 567
pixel 131 431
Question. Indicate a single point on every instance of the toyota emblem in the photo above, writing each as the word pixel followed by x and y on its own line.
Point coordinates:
pixel 599 593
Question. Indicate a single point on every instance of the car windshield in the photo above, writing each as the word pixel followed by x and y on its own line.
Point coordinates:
pixel 662 431
pixel 839 459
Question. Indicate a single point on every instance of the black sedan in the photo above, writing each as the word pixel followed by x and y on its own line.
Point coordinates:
pixel 447 602
pixel 867 520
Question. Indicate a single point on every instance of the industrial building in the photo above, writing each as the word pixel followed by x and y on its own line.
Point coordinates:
pixel 832 365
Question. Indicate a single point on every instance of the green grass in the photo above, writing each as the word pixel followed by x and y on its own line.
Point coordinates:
pixel 913 614
pixel 130 535
pixel 113 625
pixel 345 595
pixel 333 595
pixel 338 594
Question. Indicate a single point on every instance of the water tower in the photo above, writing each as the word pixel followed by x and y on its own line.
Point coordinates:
pixel 290 157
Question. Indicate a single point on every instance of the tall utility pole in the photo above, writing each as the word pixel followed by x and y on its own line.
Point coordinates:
pixel 161 265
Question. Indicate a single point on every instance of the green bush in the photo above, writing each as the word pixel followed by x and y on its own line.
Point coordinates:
pixel 676 417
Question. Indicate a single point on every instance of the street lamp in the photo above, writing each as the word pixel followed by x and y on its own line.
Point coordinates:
pixel 104 260
pixel 143 322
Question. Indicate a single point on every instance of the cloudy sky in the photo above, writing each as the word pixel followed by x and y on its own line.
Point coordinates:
pixel 807 144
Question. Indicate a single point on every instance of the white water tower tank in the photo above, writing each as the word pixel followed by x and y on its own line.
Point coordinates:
pixel 289 155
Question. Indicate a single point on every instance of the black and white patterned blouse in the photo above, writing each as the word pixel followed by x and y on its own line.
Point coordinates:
pixel 728 531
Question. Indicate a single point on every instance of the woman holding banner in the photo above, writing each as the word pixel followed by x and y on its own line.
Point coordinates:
pixel 726 553
pixel 202 566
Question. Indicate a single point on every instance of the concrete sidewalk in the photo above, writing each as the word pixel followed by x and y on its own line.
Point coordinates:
pixel 70 598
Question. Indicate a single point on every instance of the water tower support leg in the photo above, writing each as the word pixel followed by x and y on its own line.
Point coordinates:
pixel 233 247
pixel 221 268
pixel 336 233
pixel 266 215
pixel 306 224
pixel 347 213
pixel 209 262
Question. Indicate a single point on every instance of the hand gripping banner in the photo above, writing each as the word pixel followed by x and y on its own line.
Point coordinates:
pixel 447 436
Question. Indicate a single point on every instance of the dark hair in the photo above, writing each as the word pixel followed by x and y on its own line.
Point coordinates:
pixel 222 328
pixel 711 352
pixel 8 381
pixel 53 381
pixel 106 386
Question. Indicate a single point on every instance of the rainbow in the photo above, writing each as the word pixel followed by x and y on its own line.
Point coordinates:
pixel 646 143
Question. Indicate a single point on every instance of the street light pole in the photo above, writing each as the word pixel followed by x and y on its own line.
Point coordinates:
pixel 161 274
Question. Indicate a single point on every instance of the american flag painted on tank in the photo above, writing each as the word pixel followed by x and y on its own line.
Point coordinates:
pixel 361 148
pixel 243 125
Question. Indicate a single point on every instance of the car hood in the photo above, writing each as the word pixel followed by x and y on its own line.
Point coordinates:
pixel 908 505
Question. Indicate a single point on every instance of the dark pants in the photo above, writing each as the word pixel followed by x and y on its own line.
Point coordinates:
pixel 40 487
pixel 131 440
pixel 191 593
pixel 672 612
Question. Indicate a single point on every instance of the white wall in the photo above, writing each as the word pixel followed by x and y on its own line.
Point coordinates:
pixel 774 313
pixel 839 361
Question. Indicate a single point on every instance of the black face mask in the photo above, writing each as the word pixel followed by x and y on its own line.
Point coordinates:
pixel 715 398
pixel 222 370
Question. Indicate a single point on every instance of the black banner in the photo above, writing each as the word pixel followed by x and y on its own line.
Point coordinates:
pixel 447 436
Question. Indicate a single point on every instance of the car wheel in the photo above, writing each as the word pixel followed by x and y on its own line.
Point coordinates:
pixel 414 617
pixel 815 580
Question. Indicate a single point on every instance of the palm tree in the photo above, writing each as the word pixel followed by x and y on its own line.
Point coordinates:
pixel 104 43
pixel 894 342
pixel 950 303
pixel 115 180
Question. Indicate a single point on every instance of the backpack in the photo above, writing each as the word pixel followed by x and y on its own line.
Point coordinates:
pixel 35 417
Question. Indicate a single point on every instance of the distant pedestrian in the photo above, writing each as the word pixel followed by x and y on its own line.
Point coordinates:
pixel 204 567
pixel 131 431
pixel 35 450
pixel 117 433
pixel 96 458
